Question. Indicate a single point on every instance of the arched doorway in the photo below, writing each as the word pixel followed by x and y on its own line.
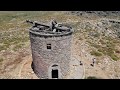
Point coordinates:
pixel 54 71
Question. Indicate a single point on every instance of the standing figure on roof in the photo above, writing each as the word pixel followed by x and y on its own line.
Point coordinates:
pixel 53 24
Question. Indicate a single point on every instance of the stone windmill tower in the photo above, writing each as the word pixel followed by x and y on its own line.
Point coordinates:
pixel 51 49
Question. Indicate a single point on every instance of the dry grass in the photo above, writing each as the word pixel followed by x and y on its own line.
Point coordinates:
pixel 15 41
pixel 14 35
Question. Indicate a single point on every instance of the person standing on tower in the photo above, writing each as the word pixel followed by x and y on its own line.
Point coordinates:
pixel 53 24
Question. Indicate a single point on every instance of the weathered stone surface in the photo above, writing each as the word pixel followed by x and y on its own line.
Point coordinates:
pixel 59 54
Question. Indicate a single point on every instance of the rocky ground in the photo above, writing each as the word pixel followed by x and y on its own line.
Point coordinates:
pixel 97 35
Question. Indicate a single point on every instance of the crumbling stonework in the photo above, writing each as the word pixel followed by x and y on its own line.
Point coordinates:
pixel 58 57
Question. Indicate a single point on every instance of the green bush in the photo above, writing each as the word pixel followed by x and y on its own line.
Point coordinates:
pixel 91 77
pixel 1 59
pixel 114 57
pixel 3 47
pixel 95 45
pixel 96 35
pixel 96 53
pixel 102 50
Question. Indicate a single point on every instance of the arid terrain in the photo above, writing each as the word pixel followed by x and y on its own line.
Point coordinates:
pixel 96 35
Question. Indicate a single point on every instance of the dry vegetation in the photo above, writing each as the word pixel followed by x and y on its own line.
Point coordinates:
pixel 15 43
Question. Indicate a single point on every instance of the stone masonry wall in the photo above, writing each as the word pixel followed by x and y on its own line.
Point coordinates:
pixel 43 58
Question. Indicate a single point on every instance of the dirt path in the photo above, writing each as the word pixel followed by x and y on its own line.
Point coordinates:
pixel 26 71
pixel 76 70
pixel 79 51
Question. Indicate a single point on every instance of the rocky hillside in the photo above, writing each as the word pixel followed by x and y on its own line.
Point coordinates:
pixel 100 31
pixel 96 35
pixel 101 14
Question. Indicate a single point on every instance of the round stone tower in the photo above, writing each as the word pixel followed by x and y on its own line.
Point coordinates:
pixel 51 50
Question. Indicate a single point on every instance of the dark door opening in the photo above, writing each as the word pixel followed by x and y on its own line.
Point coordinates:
pixel 55 73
